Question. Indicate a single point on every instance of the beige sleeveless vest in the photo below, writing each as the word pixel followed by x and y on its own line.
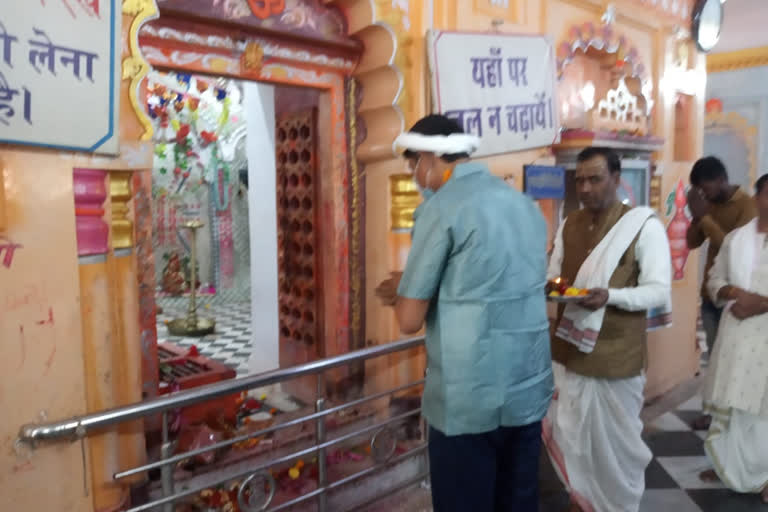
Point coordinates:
pixel 620 351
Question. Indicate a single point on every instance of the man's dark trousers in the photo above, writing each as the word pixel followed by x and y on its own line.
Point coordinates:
pixel 496 471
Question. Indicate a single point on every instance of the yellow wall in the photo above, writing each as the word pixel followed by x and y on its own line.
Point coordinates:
pixel 673 356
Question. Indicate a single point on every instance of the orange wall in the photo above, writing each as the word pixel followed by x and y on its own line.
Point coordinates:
pixel 673 357
pixel 42 371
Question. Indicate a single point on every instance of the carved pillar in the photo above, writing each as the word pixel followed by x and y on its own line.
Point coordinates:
pixel 145 261
pixel 127 348
pixel 120 193
pixel 405 199
pixel 92 245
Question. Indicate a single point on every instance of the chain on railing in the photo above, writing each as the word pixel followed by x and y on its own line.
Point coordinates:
pixel 258 489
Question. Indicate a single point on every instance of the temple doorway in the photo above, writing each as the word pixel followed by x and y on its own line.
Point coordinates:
pixel 242 158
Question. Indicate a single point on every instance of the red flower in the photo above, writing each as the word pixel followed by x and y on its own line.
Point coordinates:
pixel 177 171
pixel 252 404
pixel 208 137
pixel 182 134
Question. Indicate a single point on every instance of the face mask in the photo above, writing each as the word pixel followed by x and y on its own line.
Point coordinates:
pixel 426 193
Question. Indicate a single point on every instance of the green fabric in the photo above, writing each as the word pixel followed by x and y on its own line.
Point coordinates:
pixel 479 255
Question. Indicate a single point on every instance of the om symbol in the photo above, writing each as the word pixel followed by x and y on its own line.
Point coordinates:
pixel 266 8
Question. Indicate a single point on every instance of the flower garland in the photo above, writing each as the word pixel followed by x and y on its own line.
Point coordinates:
pixel 192 119
pixel 221 181
pixel 185 112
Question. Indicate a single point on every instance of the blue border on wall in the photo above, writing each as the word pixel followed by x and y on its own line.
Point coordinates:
pixel 111 130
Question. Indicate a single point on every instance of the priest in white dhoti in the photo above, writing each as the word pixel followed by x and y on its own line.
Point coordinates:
pixel 736 387
pixel 621 255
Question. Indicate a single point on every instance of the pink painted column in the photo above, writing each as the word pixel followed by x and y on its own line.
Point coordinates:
pixel 90 192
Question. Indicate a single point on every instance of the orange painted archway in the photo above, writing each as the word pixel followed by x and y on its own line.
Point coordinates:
pixel 201 45
pixel 377 74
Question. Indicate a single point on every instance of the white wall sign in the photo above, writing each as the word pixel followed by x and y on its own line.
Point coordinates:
pixel 59 74
pixel 499 87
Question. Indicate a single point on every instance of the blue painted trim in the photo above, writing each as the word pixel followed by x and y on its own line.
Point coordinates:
pixel 111 128
pixel 113 32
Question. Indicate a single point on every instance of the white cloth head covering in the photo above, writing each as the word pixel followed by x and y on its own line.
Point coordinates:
pixel 440 145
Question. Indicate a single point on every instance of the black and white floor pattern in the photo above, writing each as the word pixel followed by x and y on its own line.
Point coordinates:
pixel 231 344
pixel 672 479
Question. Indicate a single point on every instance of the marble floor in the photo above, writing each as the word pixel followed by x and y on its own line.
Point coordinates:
pixel 230 344
pixel 672 478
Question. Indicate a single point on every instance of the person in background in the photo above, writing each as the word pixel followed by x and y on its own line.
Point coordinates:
pixel 735 387
pixel 476 275
pixel 621 256
pixel 717 208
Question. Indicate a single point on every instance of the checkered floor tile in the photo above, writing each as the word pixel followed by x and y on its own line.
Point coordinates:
pixel 230 344
pixel 679 454
pixel 672 478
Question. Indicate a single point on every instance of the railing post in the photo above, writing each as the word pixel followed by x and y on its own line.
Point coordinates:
pixel 166 472
pixel 322 468
pixel 426 484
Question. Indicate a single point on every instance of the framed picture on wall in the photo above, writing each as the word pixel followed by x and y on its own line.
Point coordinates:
pixel 544 181
pixel 634 189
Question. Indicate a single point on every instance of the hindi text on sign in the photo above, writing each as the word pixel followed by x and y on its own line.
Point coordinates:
pixel 498 87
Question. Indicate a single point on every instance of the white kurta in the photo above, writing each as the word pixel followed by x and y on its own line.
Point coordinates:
pixel 738 372
pixel 593 432
pixel 735 390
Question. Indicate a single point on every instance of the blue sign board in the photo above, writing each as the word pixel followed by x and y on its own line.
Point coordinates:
pixel 544 182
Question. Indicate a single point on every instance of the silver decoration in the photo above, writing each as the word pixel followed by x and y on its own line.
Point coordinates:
pixel 257 499
pixel 609 16
pixel 383 444
pixel 230 145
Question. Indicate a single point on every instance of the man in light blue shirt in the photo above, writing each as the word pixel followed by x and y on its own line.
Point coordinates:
pixel 476 275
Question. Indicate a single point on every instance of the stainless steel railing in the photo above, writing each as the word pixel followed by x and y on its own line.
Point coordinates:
pixel 257 478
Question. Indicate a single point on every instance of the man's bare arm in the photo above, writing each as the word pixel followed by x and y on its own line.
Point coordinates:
pixel 411 314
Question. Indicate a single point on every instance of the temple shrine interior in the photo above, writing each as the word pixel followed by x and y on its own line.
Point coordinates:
pixel 222 149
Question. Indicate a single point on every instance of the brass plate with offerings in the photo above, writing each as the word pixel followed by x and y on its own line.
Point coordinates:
pixel 558 290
